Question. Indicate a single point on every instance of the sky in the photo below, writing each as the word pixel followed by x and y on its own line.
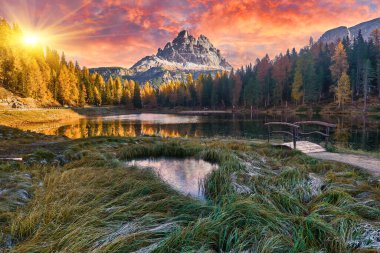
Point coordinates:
pixel 120 32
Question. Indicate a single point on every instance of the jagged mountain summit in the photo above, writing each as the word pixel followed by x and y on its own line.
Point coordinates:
pixel 193 53
pixel 340 32
pixel 185 54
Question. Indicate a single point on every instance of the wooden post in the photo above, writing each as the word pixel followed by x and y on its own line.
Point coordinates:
pixel 294 137
pixel 327 136
pixel 268 132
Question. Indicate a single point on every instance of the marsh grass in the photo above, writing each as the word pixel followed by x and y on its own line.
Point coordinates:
pixel 79 207
pixel 289 202
pixel 22 118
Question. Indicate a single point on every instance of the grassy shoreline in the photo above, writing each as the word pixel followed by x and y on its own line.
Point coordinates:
pixel 17 118
pixel 260 199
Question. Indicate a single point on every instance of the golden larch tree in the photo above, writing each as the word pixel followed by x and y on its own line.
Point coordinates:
pixel 148 95
pixel 297 93
pixel 339 62
pixel 342 90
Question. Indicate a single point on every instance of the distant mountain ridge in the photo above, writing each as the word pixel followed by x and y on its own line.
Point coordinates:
pixel 185 54
pixel 340 32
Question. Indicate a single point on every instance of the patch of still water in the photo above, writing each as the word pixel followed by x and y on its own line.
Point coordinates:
pixel 184 175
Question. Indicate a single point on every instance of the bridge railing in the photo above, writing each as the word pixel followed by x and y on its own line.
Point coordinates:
pixel 293 130
pixel 296 130
pixel 325 133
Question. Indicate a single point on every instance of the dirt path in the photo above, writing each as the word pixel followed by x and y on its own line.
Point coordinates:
pixel 368 163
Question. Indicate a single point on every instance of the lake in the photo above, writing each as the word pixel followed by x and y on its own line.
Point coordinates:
pixel 355 133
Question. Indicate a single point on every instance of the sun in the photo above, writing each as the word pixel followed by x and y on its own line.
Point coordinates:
pixel 31 39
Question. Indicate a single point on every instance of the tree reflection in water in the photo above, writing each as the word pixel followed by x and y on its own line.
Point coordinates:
pixel 350 132
pixel 342 135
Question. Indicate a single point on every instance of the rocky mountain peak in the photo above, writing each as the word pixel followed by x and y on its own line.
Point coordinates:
pixel 183 55
pixel 186 49
pixel 341 32
pixel 183 33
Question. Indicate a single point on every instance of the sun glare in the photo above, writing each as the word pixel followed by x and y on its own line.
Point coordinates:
pixel 31 40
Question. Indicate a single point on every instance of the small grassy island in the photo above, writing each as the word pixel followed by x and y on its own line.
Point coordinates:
pixel 85 198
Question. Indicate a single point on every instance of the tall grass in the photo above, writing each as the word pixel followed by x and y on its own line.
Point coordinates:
pixel 289 203
pixel 78 208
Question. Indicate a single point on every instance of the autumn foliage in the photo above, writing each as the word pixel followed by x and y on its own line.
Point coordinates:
pixel 342 71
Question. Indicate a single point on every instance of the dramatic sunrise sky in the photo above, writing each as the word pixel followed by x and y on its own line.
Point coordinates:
pixel 120 32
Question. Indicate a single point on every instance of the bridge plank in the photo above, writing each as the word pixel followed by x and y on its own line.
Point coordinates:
pixel 305 147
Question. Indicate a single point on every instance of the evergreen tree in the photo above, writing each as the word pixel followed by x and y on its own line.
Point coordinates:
pixel 63 60
pixel 34 81
pixel 53 60
pixel 264 80
pixel 359 61
pixel 100 85
pixel 64 95
pixel 281 71
pixel 368 76
pixel 118 91
pixel 97 97
pixel 375 36
pixel 148 96
pixel 311 89
pixel 73 85
pixel 128 92
pixel 215 91
pixel 137 96
pixel 88 82
pixel 53 84
pixel 206 90
pixel 322 69
pixel 82 95
pixel 237 86
pixel 192 90
pixel 108 98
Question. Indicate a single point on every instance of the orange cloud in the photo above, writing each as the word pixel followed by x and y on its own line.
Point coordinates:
pixel 120 32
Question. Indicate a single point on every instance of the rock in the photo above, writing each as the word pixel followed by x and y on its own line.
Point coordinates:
pixel 186 49
pixel 185 54
pixel 366 236
pixel 106 72
pixel 340 32
pixel 8 242
pixel 334 34
pixel 23 194
pixel 363 195
pixel 239 187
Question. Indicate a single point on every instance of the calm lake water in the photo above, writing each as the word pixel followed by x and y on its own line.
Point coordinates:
pixel 184 175
pixel 356 133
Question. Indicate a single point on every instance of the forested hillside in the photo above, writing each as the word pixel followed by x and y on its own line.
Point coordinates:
pixel 342 72
pixel 318 73
pixel 42 74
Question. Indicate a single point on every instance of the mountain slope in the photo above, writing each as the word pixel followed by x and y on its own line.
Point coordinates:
pixel 340 32
pixel 185 54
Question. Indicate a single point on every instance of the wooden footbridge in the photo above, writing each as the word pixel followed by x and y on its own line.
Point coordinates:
pixel 297 131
